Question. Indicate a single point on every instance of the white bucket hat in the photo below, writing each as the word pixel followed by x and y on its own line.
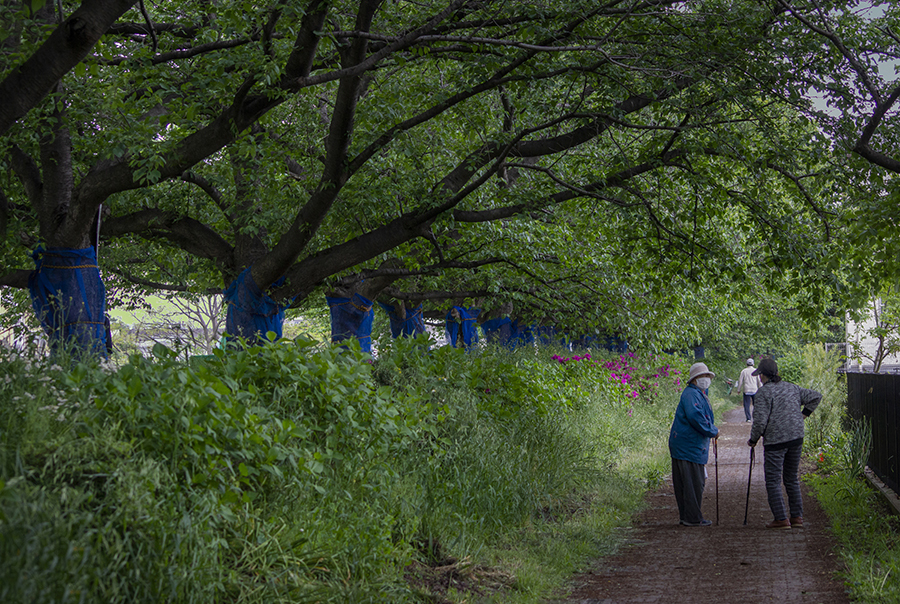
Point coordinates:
pixel 697 370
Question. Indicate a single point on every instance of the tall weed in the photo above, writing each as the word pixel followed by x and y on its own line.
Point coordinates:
pixel 814 367
pixel 299 472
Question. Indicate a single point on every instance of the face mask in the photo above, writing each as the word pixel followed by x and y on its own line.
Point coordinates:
pixel 703 382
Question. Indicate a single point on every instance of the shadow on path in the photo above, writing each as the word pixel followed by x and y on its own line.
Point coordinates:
pixel 728 562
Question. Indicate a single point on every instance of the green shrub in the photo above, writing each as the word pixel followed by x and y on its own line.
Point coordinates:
pixel 98 522
pixel 813 367
pixel 298 472
pixel 868 532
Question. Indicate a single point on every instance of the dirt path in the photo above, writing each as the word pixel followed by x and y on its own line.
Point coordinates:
pixel 729 562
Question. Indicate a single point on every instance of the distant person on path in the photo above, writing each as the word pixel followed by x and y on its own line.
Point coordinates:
pixel 778 418
pixel 748 384
pixel 692 428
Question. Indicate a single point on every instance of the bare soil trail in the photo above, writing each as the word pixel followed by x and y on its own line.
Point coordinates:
pixel 728 562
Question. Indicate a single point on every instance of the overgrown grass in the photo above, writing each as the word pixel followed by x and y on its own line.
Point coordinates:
pixel 813 367
pixel 867 528
pixel 300 473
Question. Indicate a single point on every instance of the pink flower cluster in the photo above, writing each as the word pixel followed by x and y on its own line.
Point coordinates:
pixel 564 360
pixel 631 380
pixel 666 371
pixel 622 372
pixel 624 375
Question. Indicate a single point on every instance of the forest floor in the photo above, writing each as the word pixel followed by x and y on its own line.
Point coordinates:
pixel 728 562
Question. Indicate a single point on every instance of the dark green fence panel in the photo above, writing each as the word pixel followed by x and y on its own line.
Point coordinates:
pixel 874 396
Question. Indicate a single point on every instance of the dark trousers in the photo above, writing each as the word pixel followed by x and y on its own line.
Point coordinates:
pixel 689 480
pixel 748 402
pixel 783 466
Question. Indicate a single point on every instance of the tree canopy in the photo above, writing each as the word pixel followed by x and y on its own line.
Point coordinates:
pixel 619 165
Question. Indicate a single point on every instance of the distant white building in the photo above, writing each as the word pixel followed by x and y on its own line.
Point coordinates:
pixel 861 348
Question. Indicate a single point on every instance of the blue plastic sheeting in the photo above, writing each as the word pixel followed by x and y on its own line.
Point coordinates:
pixel 252 313
pixel 586 341
pixel 466 327
pixel 498 331
pixel 410 327
pixel 616 344
pixel 549 335
pixel 509 333
pixel 352 318
pixel 69 298
pixel 524 334
pixel 546 334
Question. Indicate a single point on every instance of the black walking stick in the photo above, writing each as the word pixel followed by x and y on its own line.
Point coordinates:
pixel 749 476
pixel 716 455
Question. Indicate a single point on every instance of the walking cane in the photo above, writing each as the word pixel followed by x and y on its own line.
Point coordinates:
pixel 716 455
pixel 749 476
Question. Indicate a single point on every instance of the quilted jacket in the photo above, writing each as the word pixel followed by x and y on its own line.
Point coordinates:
pixel 778 413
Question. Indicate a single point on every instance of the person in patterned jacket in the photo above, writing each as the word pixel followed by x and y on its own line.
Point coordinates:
pixel 778 413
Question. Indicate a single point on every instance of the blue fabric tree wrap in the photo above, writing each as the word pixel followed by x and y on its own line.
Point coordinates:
pixel 508 332
pixel 252 313
pixel 465 327
pixel 69 298
pixel 524 334
pixel 551 336
pixel 616 344
pixel 352 318
pixel 413 325
pixel 498 331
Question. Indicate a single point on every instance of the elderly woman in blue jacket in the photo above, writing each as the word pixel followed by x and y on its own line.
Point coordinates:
pixel 692 428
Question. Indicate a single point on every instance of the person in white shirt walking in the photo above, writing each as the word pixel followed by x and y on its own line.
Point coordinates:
pixel 748 384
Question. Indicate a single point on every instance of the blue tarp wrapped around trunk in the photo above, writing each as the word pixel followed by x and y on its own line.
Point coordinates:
pixel 410 327
pixel 498 331
pixel 252 313
pixel 462 333
pixel 549 335
pixel 524 334
pixel 508 332
pixel 586 341
pixel 616 344
pixel 546 334
pixel 69 298
pixel 352 318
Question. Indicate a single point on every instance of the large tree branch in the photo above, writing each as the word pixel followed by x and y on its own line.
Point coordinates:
pixel 187 53
pixel 56 158
pixel 316 268
pixel 207 187
pixel 299 64
pixel 28 84
pixel 26 169
pixel 571 191
pixel 864 150
pixel 336 172
pixel 563 142
pixel 437 295
pixel 107 178
pixel 17 279
pixel 141 29
pixel 838 43
pixel 158 285
pixel 190 235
